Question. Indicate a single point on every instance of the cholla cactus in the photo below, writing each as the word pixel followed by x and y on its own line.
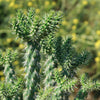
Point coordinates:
pixel 60 80
pixel 32 72
pixel 7 60
pixel 12 87
pixel 60 69
pixel 68 57
pixel 33 29
pixel 11 91
pixel 87 85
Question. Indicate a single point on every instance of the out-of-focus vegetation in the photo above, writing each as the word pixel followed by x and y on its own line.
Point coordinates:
pixel 80 21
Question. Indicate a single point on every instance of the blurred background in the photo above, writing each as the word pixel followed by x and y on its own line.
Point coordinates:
pixel 81 21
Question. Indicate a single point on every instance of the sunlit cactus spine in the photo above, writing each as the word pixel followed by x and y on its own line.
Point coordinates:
pixel 33 29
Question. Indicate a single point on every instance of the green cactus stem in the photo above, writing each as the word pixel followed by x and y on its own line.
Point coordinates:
pixel 32 59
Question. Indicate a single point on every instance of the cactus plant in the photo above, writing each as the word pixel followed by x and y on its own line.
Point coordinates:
pixel 9 69
pixel 63 75
pixel 33 30
pixel 12 87
pixel 61 63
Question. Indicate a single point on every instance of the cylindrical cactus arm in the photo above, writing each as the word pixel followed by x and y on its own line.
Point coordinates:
pixel 32 64
pixel 9 73
pixel 8 67
pixel 48 72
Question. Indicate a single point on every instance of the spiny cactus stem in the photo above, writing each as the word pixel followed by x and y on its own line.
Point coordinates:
pixel 32 60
